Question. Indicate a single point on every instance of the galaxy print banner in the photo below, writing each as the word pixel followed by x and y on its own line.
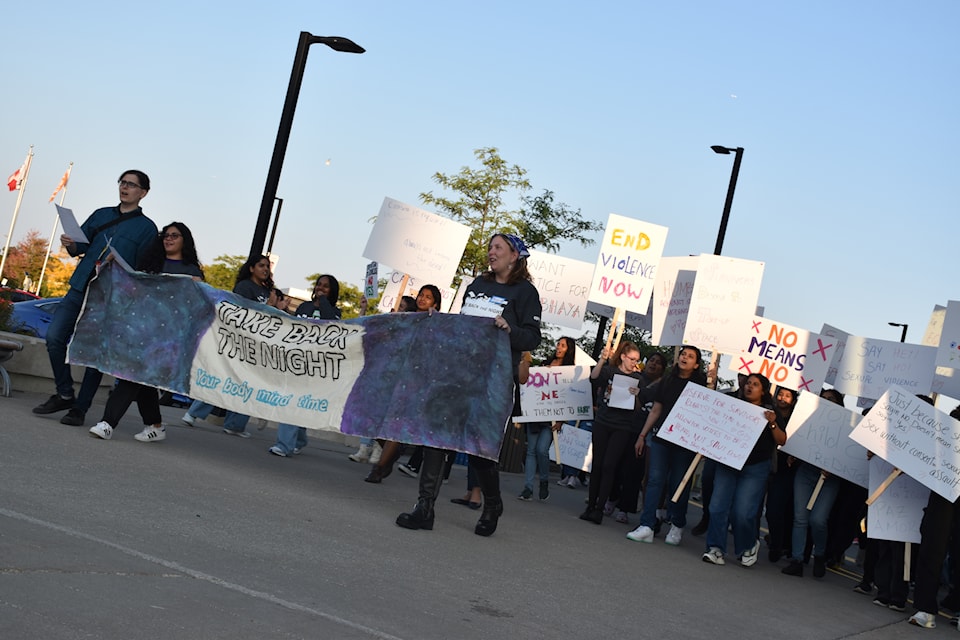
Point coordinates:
pixel 443 380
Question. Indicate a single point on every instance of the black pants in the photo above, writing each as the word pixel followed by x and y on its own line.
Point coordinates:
pixel 608 449
pixel 939 531
pixel 148 402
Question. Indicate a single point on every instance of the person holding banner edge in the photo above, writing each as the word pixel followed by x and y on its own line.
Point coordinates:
pixel 506 293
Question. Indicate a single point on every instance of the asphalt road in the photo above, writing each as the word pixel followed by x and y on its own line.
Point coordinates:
pixel 208 536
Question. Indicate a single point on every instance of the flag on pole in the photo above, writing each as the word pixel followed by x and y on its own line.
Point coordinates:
pixel 62 185
pixel 16 178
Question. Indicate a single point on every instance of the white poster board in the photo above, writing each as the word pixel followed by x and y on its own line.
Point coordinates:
pixel 576 448
pixel 672 295
pixel 391 292
pixel 948 355
pixel 869 367
pixel 896 514
pixel 563 284
pixel 724 300
pixel 916 438
pixel 819 433
pixel 839 337
pixel 414 241
pixel 370 284
pixel 556 394
pixel 788 356
pixel 627 266
pixel 714 424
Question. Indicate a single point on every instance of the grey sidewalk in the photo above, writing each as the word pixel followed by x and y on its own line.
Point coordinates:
pixel 208 536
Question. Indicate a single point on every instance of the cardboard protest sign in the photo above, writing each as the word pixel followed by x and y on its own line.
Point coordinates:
pixel 897 512
pixel 788 356
pixel 724 300
pixel 714 424
pixel 391 292
pixel 869 367
pixel 672 296
pixel 576 448
pixel 946 380
pixel 370 285
pixel 563 284
pixel 556 394
pixel 627 265
pixel 948 353
pixel 414 241
pixel 839 338
pixel 916 438
pixel 819 433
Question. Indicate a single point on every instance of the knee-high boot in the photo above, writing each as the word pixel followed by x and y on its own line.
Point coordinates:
pixel 489 477
pixel 431 474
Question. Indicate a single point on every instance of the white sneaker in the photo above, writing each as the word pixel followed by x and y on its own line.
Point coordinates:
pixel 151 434
pixel 277 451
pixel 375 454
pixel 362 454
pixel 924 619
pixel 239 434
pixel 188 420
pixel 674 535
pixel 642 533
pixel 573 482
pixel 713 556
pixel 102 430
pixel 749 557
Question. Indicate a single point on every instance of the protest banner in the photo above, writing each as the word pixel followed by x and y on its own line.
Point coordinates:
pixel 948 353
pixel 672 295
pixel 575 446
pixel 377 376
pixel 400 284
pixel 563 284
pixel 556 394
pixel 819 433
pixel 916 438
pixel 627 265
pixel 724 300
pixel 788 356
pixel 839 338
pixel 869 367
pixel 417 242
pixel 714 424
pixel 896 513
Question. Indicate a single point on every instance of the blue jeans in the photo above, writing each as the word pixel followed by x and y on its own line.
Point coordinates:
pixel 668 464
pixel 538 447
pixel 804 483
pixel 291 437
pixel 736 500
pixel 200 409
pixel 232 421
pixel 58 336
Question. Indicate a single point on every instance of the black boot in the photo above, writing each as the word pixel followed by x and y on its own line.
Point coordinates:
pixel 492 510
pixel 391 453
pixel 430 473
pixel 489 478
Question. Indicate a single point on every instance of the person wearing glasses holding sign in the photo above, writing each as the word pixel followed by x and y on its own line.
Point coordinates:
pixel 123 228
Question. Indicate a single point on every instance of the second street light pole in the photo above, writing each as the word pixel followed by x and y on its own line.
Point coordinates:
pixel 286 124
pixel 730 189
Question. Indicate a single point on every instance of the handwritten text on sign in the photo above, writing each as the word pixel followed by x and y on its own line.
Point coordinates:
pixel 671 299
pixel 869 367
pixel 563 285
pixel 554 394
pixel 819 433
pixel 714 424
pixel 576 448
pixel 896 514
pixel 724 300
pixel 788 356
pixel 627 266
pixel 916 438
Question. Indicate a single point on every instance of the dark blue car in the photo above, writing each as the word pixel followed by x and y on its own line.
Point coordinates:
pixel 32 317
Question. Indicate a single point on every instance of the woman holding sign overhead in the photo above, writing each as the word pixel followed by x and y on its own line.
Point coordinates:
pixel 506 294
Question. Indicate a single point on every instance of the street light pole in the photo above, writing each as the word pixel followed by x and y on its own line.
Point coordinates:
pixel 286 124
pixel 276 222
pixel 730 189
pixel 903 334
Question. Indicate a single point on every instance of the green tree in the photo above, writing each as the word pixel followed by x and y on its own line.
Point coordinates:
pixel 480 203
pixel 222 274
pixel 544 224
pixel 25 259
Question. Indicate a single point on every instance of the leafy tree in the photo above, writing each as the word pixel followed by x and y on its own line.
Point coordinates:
pixel 480 204
pixel 222 274
pixel 544 224
pixel 56 279
pixel 25 259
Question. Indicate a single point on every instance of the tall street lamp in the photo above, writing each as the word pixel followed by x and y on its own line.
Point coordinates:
pixel 903 334
pixel 286 123
pixel 733 185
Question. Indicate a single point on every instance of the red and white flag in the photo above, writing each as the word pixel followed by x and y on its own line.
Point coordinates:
pixel 63 184
pixel 16 178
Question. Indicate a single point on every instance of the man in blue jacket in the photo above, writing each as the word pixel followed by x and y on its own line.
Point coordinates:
pixel 123 228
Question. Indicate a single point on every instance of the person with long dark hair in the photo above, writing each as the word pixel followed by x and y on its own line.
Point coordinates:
pixel 172 252
pixel 506 292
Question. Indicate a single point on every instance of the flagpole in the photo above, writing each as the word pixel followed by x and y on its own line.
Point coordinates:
pixel 56 222
pixel 21 188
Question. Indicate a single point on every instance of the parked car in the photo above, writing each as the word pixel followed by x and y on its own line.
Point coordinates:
pixel 32 317
pixel 17 295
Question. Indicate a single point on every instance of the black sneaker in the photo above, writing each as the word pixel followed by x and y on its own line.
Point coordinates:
pixel 53 404
pixel 544 490
pixel 526 494
pixel 865 588
pixel 74 418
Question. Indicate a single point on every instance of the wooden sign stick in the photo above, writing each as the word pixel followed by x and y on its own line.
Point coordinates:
pixel 883 486
pixel 906 562
pixel 613 329
pixel 686 477
pixel 403 287
pixel 816 493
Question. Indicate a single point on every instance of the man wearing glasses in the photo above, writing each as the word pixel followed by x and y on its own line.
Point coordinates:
pixel 123 228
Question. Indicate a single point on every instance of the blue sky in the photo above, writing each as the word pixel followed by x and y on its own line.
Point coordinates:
pixel 848 112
